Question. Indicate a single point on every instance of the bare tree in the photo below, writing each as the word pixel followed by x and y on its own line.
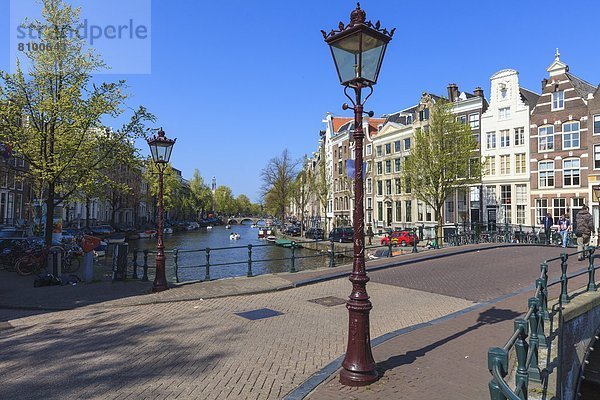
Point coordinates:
pixel 278 183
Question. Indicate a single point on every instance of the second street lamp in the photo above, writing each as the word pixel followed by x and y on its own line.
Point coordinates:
pixel 160 148
pixel 358 49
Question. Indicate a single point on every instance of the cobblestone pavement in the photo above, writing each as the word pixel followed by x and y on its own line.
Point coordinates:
pixel 191 348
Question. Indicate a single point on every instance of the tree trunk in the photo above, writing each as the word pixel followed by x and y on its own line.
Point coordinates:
pixel 49 215
pixel 87 212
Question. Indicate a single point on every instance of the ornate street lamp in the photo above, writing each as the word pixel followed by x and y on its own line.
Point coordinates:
pixel 358 49
pixel 596 197
pixel 160 148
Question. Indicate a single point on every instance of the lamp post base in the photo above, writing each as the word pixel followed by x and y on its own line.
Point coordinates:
pixel 159 288
pixel 353 378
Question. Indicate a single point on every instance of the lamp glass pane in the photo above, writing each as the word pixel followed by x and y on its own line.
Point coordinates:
pixel 346 55
pixel 372 56
pixel 153 151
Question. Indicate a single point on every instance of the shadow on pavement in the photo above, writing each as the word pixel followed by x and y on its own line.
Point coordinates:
pixel 488 317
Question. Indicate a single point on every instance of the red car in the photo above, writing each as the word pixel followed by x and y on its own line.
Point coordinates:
pixel 403 238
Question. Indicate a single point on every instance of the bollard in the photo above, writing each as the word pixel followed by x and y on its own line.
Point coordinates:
pixel 135 265
pixel 564 280
pixel 521 348
pixel 534 340
pixel 591 271
pixel 497 357
pixel 390 247
pixel 145 267
pixel 207 272
pixel 332 259
pixel 293 260
pixel 249 273
pixel 175 258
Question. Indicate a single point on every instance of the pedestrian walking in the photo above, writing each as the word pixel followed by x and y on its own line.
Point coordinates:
pixel 370 235
pixel 584 226
pixel 547 223
pixel 564 226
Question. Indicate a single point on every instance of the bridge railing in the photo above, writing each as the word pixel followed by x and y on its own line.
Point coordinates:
pixel 528 335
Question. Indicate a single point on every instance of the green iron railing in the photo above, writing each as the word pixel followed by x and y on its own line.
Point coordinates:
pixel 528 335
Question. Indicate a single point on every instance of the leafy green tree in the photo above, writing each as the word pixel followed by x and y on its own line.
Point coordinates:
pixel 52 113
pixel 303 188
pixel 278 183
pixel 200 195
pixel 224 201
pixel 243 205
pixel 442 160
pixel 172 187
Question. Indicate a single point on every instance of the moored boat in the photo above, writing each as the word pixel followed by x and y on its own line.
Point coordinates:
pixel 147 234
pixel 209 227
pixel 168 230
pixel 227 226
pixel 234 236
pixel 115 238
pixel 271 238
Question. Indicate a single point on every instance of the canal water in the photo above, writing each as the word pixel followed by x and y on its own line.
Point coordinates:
pixel 228 258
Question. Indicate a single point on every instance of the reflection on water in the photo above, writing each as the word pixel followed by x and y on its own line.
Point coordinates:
pixel 228 258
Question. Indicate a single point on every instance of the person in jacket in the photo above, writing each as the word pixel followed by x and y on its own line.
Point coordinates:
pixel 564 227
pixel 547 222
pixel 584 227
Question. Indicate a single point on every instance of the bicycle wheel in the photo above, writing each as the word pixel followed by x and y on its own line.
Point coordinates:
pixel 24 266
pixel 71 264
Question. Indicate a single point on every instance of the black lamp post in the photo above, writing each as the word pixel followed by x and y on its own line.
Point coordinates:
pixel 160 148
pixel 358 49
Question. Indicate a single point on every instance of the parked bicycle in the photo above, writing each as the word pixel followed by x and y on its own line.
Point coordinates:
pixel 35 259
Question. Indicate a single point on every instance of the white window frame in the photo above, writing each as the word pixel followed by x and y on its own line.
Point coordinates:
pixel 549 138
pixel 572 174
pixel 597 156
pixel 505 138
pixel 504 113
pixel 548 173
pixel 571 135
pixel 560 102
pixel 369 149
pixel 491 165
pixel 520 163
pixel 474 120
pixel 490 144
pixel 519 136
pixel 505 164
pixel 594 119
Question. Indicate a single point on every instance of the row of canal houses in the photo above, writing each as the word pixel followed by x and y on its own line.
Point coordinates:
pixel 541 153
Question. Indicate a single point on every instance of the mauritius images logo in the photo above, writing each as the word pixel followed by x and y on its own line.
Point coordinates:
pixel 118 31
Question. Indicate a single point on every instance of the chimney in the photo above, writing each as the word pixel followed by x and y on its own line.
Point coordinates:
pixel 452 92
pixel 478 92
pixel 544 83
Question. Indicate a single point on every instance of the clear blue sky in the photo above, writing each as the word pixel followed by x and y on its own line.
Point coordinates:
pixel 238 81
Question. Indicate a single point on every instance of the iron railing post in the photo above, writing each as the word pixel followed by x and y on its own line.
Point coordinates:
pixel 176 265
pixel 534 340
pixel 145 266
pixel 293 259
pixel 497 356
pixel 542 311
pixel 332 259
pixel 249 273
pixel 207 270
pixel 521 348
pixel 564 279
pixel 591 271
pixel 135 256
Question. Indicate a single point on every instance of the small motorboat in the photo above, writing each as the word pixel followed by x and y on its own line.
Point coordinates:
pixel 147 234
pixel 253 226
pixel 234 236
pixel 168 230
pixel 115 238
pixel 209 227
pixel 227 226
pixel 271 238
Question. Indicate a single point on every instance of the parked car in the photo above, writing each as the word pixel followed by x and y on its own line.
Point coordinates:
pixel 293 231
pixel 315 233
pixel 402 238
pixel 342 234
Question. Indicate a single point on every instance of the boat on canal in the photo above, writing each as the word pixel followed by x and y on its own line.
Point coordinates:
pixel 234 236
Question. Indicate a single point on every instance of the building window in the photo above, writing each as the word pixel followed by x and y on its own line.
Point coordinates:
pixel 505 138
pixel 388 148
pixel 490 195
pixel 571 172
pixel 388 166
pixel 505 203
pixel 424 114
pixel 369 185
pixel 397 165
pixel 388 186
pixel 419 211
pixel 408 210
pixel 379 188
pixel 378 151
pixel 577 202
pixel 19 206
pixel 369 149
pixel 519 136
pixel 546 138
pixel 520 166
pixel 461 119
pixel 379 168
pixel 504 113
pixel 474 121
pixel 407 144
pixel 380 211
pixel 397 146
pixel 597 156
pixel 521 200
pixel 491 140
pixel 541 209
pixel 398 185
pixel 505 164
pixel 491 165
pixel 558 100
pixel 369 203
pixel 546 174
pixel 559 207
pixel 597 124
pixel 571 135
pixel 4 182
pixel 19 182
pixel 407 188
pixel 398 211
